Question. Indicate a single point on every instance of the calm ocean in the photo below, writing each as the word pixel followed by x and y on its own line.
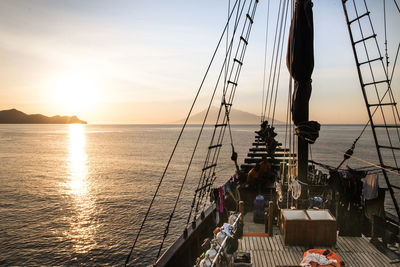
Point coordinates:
pixel 75 194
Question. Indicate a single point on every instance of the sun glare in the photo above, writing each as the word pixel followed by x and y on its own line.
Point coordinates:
pixel 77 159
pixel 75 92
pixel 82 228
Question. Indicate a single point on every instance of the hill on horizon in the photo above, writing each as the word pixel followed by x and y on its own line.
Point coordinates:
pixel 14 116
pixel 236 117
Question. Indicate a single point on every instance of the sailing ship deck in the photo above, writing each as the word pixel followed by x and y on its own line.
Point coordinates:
pixel 271 251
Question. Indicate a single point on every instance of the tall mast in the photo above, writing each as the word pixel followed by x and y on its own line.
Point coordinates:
pixel 300 62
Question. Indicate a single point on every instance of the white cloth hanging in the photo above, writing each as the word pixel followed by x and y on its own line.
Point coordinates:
pixel 370 186
pixel 296 189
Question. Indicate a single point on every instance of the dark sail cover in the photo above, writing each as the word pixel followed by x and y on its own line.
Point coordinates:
pixel 300 58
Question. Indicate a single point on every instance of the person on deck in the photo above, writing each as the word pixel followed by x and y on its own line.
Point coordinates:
pixel 261 174
pixel 266 171
pixel 253 174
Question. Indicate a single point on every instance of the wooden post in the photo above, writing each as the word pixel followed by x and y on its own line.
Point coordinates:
pixel 302 160
pixel 266 219
pixel 302 166
pixel 241 210
pixel 302 157
pixel 270 217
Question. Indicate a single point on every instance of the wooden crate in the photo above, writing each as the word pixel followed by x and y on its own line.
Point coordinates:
pixel 294 227
pixel 322 229
pixel 308 228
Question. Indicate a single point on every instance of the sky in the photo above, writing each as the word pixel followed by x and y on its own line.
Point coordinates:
pixel 143 61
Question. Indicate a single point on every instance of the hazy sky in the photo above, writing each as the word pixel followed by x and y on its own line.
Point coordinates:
pixel 142 61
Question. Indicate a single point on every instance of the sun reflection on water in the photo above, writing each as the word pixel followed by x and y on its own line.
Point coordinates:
pixel 82 227
pixel 77 160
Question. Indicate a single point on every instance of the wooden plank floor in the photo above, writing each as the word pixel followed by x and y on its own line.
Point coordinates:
pixel 271 251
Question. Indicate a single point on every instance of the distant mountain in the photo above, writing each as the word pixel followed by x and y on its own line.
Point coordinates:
pixel 236 117
pixel 16 116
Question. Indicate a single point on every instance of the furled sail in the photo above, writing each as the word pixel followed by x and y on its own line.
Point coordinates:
pixel 300 58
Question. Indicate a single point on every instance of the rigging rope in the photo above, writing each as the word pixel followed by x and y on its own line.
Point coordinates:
pixel 389 90
pixel 385 30
pixel 275 60
pixel 359 159
pixel 390 82
pixel 196 144
pixel 227 42
pixel 288 114
pixel 288 133
pixel 394 64
pixel 372 114
pixel 279 68
pixel 288 130
pixel 265 63
pixel 234 154
pixel 227 55
pixel 397 5
pixel 217 151
pixel 273 55
pixel 325 166
pixel 373 76
pixel 203 182
pixel 211 178
pixel 177 142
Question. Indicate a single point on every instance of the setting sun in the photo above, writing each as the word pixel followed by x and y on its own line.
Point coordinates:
pixel 74 92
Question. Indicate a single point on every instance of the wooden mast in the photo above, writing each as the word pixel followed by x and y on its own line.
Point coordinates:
pixel 302 156
pixel 300 62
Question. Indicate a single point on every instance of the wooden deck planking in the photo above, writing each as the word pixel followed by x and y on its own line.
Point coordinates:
pixel 258 243
pixel 274 257
pixel 268 259
pixel 263 259
pixel 271 251
pixel 293 258
pixel 257 257
pixel 264 243
pixel 269 246
pixel 241 245
pixel 246 244
pixel 271 242
pixel 368 260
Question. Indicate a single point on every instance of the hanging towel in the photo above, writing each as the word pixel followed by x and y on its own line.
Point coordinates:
pixel 227 187
pixel 370 186
pixel 221 199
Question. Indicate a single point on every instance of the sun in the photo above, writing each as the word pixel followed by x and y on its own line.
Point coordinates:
pixel 74 92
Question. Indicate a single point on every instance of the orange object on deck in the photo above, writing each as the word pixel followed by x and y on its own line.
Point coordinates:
pixel 329 254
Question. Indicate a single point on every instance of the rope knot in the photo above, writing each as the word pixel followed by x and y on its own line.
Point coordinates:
pixel 309 130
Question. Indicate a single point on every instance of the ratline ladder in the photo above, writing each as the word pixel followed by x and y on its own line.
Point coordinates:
pixel 375 82
pixel 207 176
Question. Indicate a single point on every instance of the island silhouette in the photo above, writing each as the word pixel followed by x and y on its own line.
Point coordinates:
pixel 14 116
pixel 236 117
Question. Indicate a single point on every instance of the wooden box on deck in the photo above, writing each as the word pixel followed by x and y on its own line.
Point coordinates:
pixel 322 229
pixel 294 227
pixel 311 227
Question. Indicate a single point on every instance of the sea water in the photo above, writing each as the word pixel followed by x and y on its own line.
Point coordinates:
pixel 77 194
